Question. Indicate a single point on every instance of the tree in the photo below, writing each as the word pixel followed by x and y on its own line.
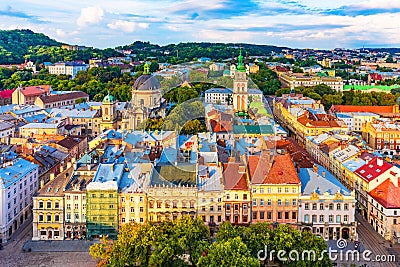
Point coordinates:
pixel 232 252
pixel 193 127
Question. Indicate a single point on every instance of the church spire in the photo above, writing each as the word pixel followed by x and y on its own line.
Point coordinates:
pixel 240 66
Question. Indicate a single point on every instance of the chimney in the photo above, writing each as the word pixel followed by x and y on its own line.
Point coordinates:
pixel 379 162
pixel 323 174
pixel 242 169
pixel 315 168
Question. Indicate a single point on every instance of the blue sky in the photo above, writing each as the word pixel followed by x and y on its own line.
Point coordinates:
pixel 294 23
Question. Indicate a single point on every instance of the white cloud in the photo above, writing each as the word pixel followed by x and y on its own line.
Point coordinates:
pixel 90 15
pixel 126 26
pixel 143 25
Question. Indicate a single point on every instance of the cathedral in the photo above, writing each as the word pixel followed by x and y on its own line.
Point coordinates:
pixel 146 101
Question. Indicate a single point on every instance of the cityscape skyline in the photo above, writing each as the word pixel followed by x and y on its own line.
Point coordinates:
pixel 296 24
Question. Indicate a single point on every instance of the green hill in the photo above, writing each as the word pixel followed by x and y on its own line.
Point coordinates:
pixel 15 44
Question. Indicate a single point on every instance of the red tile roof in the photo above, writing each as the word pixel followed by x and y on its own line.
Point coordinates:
pixel 6 93
pixel 387 194
pixel 373 169
pixel 35 90
pixel 233 179
pixel 373 109
pixel 258 167
pixel 282 171
pixel 319 120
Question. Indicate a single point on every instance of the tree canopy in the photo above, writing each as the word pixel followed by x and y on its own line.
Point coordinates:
pixel 187 242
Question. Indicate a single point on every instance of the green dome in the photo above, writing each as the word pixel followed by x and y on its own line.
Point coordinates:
pixel 108 99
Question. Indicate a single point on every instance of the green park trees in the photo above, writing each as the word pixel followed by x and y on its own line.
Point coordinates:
pixel 187 242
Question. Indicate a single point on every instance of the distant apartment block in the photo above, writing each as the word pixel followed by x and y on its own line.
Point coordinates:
pixel 67 68
pixel 292 81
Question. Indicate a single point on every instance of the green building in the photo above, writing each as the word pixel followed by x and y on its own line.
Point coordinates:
pixel 102 201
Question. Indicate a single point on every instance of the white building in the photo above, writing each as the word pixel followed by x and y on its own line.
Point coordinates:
pixel 355 120
pixel 326 207
pixel 7 130
pixel 18 182
pixel 67 68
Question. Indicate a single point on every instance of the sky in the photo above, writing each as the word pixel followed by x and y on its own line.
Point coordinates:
pixel 322 24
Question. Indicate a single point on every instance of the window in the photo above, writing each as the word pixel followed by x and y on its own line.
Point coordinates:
pixel 286 215
pixel 76 197
pixel 294 202
pixel 306 218
pixel 338 206
pixel 261 202
pixel 56 205
pixel 40 217
pixel 68 197
pixel 211 208
pixel 294 215
pixel 68 206
pixel 40 204
pixel 321 218
pixel 48 204
pixel 48 218
pixel 228 196
pixel 254 202
pixel 306 206
pixel 314 206
pixel 269 202
pixel 141 209
pixel 346 218
pixel 123 200
pixel 321 206
pixel 331 218
pixel 244 196
pixel 314 218
pixel 76 206
pixel 279 202
pixel 236 196
pixel 132 209
pixel 330 206
pixel 122 209
pixel 140 199
pixel 123 220
pixel 286 202
pixel 338 218
pixel 56 217
pixel 261 215
pixel 254 215
pixel 279 190
pixel 219 208
pixel 141 219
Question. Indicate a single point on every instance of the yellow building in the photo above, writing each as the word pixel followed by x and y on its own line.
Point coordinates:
pixel 48 209
pixel 32 129
pixel 133 196
pixel 172 192
pixel 275 188
pixel 303 123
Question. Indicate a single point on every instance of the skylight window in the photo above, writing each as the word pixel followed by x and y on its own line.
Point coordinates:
pixel 369 176
pixel 370 165
pixel 362 171
pixel 378 170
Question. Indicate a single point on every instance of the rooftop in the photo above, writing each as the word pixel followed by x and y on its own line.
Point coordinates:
pixel 13 173
pixel 319 180
pixel 387 194
pixel 373 169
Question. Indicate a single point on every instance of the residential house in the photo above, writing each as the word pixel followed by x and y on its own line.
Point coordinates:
pixel 326 207
pixel 18 183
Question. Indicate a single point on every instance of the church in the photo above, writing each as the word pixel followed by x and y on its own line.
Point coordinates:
pixel 240 96
pixel 147 101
